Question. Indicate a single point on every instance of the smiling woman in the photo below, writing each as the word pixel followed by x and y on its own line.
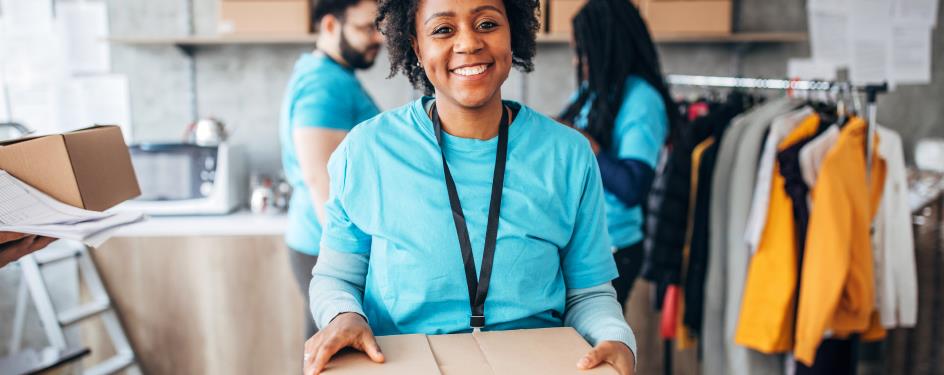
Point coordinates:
pixel 428 199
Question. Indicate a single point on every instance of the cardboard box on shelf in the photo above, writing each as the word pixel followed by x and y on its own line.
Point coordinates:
pixel 88 168
pixel 547 351
pixel 561 13
pixel 687 16
pixel 282 17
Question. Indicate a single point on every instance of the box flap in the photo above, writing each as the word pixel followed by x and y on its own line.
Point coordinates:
pixel 102 166
pixel 547 351
pixel 459 355
pixel 404 355
pixel 43 163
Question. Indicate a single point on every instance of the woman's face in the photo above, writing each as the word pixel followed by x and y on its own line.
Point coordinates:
pixel 465 48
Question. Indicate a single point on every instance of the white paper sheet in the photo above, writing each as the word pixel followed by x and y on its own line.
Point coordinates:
pixel 811 69
pixel 911 55
pixel 870 32
pixel 915 12
pixel 829 36
pixel 83 27
pixel 23 17
pixel 96 100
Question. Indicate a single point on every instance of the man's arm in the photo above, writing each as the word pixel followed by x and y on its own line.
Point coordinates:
pixel 313 147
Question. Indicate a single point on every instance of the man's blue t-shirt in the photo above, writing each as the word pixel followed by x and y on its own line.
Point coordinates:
pixel 639 132
pixel 324 94
pixel 389 200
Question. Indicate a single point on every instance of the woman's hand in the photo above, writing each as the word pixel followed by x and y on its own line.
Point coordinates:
pixel 346 330
pixel 615 353
pixel 15 245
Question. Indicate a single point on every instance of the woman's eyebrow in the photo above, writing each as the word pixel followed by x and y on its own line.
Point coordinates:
pixel 453 14
pixel 440 14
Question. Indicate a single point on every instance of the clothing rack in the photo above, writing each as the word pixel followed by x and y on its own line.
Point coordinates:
pixel 871 92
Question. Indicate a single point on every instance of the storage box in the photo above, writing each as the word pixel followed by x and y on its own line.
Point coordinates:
pixel 561 14
pixel 88 168
pixel 687 16
pixel 548 351
pixel 282 17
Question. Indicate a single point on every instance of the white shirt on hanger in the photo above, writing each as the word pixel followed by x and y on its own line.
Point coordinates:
pixel 896 284
pixel 812 155
pixel 779 129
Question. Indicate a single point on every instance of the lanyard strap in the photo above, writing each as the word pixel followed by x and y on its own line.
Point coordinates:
pixel 478 288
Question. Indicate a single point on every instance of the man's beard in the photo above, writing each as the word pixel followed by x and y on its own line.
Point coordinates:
pixel 354 58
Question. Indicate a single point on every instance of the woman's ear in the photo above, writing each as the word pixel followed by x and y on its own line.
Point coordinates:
pixel 416 50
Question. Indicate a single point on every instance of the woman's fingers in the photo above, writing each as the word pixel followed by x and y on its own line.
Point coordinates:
pixel 325 352
pixel 592 359
pixel 369 345
pixel 311 347
pixel 40 243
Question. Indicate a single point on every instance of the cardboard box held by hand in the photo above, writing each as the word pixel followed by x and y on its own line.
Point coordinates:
pixel 88 168
pixel 548 351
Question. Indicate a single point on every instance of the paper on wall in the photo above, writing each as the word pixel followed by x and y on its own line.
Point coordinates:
pixel 829 36
pixel 24 17
pixel 4 103
pixel 83 27
pixel 870 33
pixel 828 5
pixel 32 59
pixel 911 55
pixel 35 105
pixel 96 100
pixel 915 12
pixel 811 69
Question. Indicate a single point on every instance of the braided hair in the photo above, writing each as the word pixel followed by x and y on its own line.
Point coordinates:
pixel 612 42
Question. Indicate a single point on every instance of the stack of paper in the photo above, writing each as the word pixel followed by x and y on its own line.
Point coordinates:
pixel 27 210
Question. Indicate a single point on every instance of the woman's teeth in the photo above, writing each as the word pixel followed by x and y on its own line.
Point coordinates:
pixel 470 70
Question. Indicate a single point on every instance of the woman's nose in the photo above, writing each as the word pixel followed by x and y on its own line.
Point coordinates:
pixel 468 42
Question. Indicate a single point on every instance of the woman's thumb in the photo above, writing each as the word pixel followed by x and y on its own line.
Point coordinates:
pixel 591 360
pixel 372 349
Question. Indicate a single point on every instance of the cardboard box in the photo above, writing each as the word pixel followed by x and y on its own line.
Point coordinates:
pixel 548 351
pixel 687 16
pixel 88 168
pixel 282 17
pixel 561 14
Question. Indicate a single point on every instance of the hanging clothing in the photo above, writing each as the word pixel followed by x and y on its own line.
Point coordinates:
pixel 781 127
pixel 836 357
pixel 684 337
pixel 669 199
pixel 766 320
pixel 837 285
pixel 812 155
pixel 719 353
pixel 896 280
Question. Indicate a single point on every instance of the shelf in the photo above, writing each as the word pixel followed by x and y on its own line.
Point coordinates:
pixel 215 40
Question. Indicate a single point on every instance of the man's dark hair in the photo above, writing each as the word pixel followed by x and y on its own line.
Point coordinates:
pixel 322 8
pixel 396 19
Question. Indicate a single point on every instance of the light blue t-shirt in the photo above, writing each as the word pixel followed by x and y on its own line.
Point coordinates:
pixel 639 133
pixel 389 200
pixel 321 93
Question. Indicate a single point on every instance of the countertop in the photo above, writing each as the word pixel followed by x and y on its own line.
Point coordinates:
pixel 240 223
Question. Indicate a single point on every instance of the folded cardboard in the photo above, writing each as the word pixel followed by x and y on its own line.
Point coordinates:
pixel 88 168
pixel 548 351
pixel 687 16
pixel 281 17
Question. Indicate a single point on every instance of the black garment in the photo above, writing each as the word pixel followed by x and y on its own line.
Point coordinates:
pixel 668 203
pixel 833 357
pixel 302 264
pixel 697 272
pixel 628 263
pixel 795 186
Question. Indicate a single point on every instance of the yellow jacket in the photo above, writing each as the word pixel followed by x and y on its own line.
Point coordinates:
pixel 837 291
pixel 766 319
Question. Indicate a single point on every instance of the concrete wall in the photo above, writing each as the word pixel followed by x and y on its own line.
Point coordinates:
pixel 243 85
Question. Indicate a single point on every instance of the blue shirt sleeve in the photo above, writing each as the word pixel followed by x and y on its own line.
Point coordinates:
pixel 323 104
pixel 641 124
pixel 587 259
pixel 340 233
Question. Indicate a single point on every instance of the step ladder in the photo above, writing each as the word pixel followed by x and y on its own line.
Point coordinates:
pixel 54 322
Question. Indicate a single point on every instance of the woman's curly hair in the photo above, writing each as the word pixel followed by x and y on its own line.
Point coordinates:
pixel 396 19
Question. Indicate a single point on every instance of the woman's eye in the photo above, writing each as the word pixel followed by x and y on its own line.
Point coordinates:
pixel 488 25
pixel 442 30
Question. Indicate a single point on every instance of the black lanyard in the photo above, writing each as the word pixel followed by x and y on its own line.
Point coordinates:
pixel 478 289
